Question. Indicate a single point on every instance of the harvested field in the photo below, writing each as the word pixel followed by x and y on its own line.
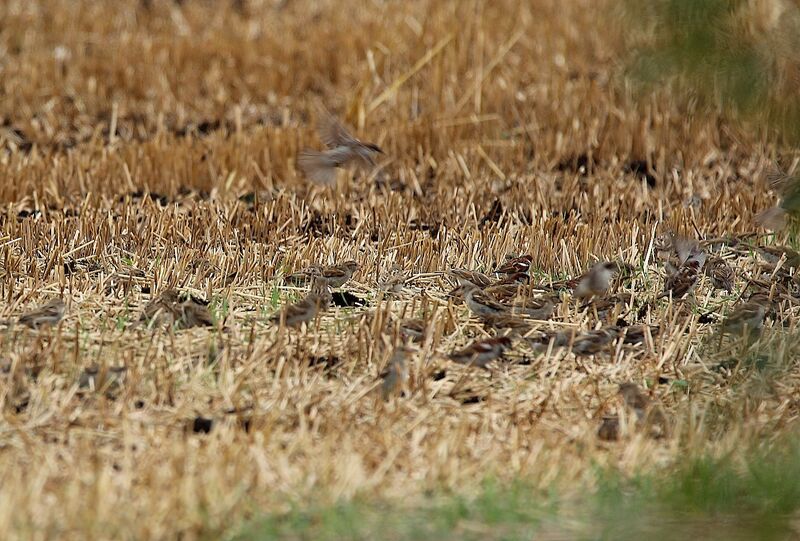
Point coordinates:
pixel 150 147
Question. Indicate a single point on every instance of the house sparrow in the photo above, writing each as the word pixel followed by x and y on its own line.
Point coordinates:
pixel 636 334
pixel 194 314
pixel 503 292
pixel 647 413
pixel 467 277
pixel 747 317
pixel 481 352
pixel 721 274
pixel 605 306
pixel 335 275
pixel 507 322
pixel 683 280
pixel 482 304
pixel 395 374
pixel 773 254
pixel 515 265
pixel 536 308
pixel 163 310
pixel 47 315
pixel 609 428
pixel 592 342
pixel 517 279
pixel 317 300
pixel 342 149
pixel 413 329
pixel 597 281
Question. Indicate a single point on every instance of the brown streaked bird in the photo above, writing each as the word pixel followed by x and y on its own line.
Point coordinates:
pixel 503 292
pixel 482 304
pixel 413 329
pixel 162 310
pixel 609 428
pixel 773 254
pixel 636 334
pixel 648 413
pixel 507 323
pixel 681 282
pixel 517 278
pixel 747 317
pixel 46 315
pixel 468 277
pixel 481 352
pixel 515 265
pixel 194 314
pixel 335 275
pixel 395 374
pixel 597 281
pixel 536 308
pixel 342 149
pixel 722 275
pixel 317 300
pixel 592 342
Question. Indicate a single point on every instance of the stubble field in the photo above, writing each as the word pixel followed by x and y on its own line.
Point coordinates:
pixel 152 146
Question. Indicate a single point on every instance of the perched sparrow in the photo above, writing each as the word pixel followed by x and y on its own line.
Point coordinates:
pixel 339 275
pixel 343 149
pixel 335 275
pixel 773 254
pixel 395 374
pixel 194 314
pixel 515 265
pixel 636 334
pixel 481 352
pixel 163 310
pixel 684 279
pixel 634 399
pixel 413 329
pixel 516 279
pixel 317 300
pixel 597 281
pixel 592 342
pixel 46 315
pixel 536 308
pixel 609 428
pixel 467 277
pixel 482 304
pixel 503 292
pixel 721 274
pixel 507 322
pixel 647 413
pixel 747 317
pixel 542 341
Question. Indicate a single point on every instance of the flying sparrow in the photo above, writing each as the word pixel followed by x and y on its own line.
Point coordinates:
pixel 317 300
pixel 747 317
pixel 597 281
pixel 482 304
pixel 47 315
pixel 481 352
pixel 467 277
pixel 395 374
pixel 592 342
pixel 342 149
pixel 515 265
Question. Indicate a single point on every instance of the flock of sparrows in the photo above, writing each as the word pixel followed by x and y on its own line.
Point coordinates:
pixel 505 301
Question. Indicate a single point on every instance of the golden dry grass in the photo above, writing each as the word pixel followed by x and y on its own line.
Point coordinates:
pixel 154 147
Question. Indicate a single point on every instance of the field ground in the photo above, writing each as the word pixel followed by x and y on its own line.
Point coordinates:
pixel 147 146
